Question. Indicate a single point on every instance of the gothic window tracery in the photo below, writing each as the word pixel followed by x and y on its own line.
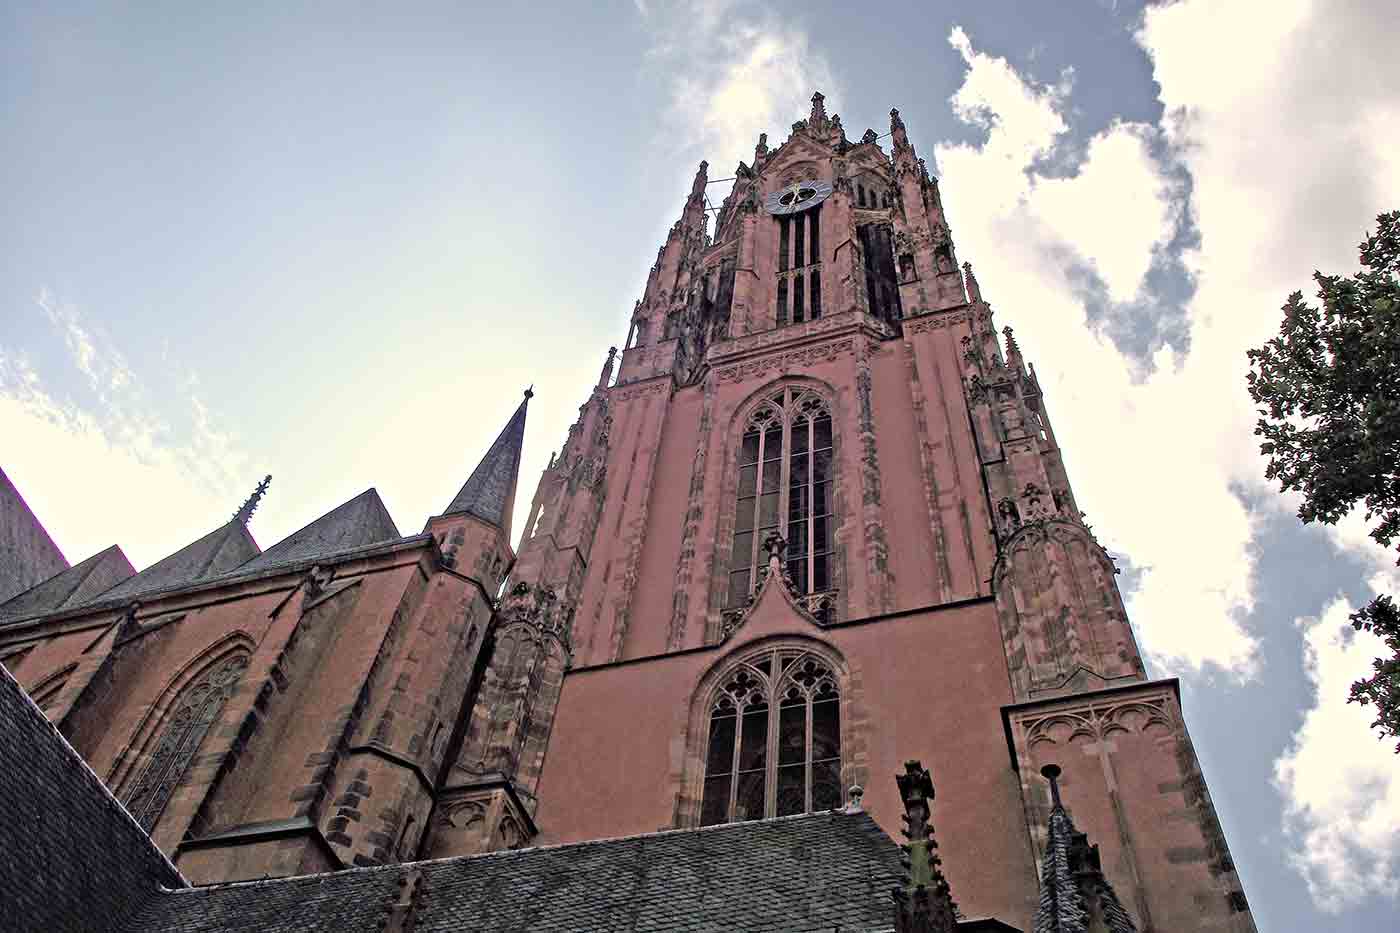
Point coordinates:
pixel 786 485
pixel 774 741
pixel 195 710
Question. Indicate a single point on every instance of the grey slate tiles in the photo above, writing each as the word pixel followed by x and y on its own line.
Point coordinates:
pixel 78 584
pixel 489 492
pixel 819 872
pixel 72 860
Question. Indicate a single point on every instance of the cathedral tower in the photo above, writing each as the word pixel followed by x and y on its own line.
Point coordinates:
pixel 819 524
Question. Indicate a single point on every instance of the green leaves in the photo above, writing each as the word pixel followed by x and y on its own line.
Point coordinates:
pixel 1328 387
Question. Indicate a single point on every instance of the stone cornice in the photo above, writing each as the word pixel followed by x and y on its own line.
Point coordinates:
pixel 793 336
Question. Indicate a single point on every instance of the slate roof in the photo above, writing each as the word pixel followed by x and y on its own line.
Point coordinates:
pixel 357 523
pixel 218 552
pixel 489 493
pixel 818 872
pixel 72 587
pixel 71 857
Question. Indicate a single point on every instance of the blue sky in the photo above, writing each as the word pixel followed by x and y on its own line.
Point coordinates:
pixel 336 244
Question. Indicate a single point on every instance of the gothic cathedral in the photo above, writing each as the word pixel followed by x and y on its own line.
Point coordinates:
pixel 812 522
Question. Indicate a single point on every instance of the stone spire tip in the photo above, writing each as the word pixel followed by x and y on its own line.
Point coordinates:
pixel 245 511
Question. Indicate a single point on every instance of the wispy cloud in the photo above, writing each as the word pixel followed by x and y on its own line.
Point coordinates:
pixel 103 467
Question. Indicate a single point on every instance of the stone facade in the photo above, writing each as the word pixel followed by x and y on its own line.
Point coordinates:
pixel 817 447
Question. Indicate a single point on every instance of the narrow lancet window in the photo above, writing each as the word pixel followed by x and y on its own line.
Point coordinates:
pixel 786 469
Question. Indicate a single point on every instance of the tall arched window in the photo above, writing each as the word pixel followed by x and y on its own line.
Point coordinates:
pixel 786 485
pixel 194 711
pixel 774 742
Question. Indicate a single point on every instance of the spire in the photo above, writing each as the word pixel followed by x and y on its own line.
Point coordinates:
pixel 606 375
pixel 250 505
pixel 702 176
pixel 901 137
pixel 489 493
pixel 974 291
pixel 1075 897
pixel 817 120
pixel 760 152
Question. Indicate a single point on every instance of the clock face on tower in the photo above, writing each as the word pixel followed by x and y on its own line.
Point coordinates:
pixel 798 196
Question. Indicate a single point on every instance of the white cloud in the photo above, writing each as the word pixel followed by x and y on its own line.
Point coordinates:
pixel 1139 447
pixel 110 470
pixel 1342 785
pixel 733 72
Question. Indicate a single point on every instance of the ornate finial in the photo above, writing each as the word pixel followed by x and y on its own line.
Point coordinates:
pixel 923 904
pixel 856 794
pixel 1052 774
pixel 1012 347
pixel 869 138
pixel 974 291
pixel 701 179
pixel 895 122
pixel 530 392
pixel 245 511
pixel 607 368
pixel 760 152
pixel 818 116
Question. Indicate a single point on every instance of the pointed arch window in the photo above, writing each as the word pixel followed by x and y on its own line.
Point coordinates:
pixel 195 710
pixel 787 485
pixel 774 740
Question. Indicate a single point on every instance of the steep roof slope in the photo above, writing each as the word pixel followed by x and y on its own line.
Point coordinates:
pixel 823 871
pixel 218 552
pixel 72 587
pixel 356 523
pixel 489 493
pixel 72 859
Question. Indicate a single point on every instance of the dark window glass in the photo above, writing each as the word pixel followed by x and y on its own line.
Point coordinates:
pixel 721 755
pixel 860 195
pixel 792 755
pixel 815 226
pixel 195 710
pixel 798 311
pixel 782 244
pixel 799 244
pixel 782 302
pixel 816 298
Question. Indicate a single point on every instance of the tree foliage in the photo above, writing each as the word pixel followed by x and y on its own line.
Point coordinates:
pixel 1328 387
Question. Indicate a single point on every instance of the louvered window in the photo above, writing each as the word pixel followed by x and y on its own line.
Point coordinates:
pixel 799 267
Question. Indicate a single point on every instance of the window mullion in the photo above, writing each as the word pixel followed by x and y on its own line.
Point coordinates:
pixel 807 756
pixel 770 765
pixel 783 474
pixel 811 505
pixel 755 545
pixel 734 760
